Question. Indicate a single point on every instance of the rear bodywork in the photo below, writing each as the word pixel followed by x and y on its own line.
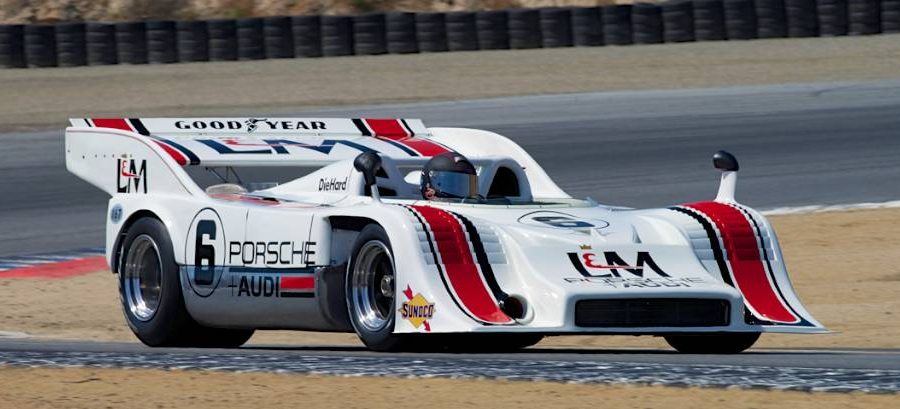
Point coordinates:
pixel 276 258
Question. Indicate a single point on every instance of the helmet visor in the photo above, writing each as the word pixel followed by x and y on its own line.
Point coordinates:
pixel 454 184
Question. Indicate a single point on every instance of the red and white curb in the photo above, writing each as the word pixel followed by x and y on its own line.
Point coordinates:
pixel 54 265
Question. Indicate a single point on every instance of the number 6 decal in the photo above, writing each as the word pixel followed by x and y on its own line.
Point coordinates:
pixel 205 252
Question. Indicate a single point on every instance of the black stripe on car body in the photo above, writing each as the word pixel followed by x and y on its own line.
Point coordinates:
pixel 481 257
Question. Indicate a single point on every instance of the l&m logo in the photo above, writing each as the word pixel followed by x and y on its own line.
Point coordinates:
pixel 131 176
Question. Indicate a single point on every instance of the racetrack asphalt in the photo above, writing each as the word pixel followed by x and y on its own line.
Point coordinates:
pixel 808 370
pixel 803 144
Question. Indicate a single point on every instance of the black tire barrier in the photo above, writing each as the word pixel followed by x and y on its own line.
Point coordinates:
pixel 890 16
pixel 709 20
pixel 307 31
pixel 617 24
pixel 193 41
pixel 401 33
pixel 278 40
pixel 77 44
pixel 12 46
pixel 222 40
pixel 71 44
pixel 647 23
pixel 587 26
pixel 832 17
pixel 337 36
pixel 162 42
pixel 431 32
pixel 40 45
pixel 250 39
pixel 864 17
pixel 493 29
pixel 524 29
pixel 131 42
pixel 101 44
pixel 801 18
pixel 556 27
pixel 370 34
pixel 462 32
pixel 740 19
pixel 771 20
pixel 678 21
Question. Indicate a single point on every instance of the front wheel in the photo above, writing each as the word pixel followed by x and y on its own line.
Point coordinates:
pixel 721 343
pixel 371 289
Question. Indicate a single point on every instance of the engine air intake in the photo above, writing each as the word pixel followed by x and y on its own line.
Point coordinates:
pixel 642 312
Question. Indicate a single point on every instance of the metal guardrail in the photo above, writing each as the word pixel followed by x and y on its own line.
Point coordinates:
pixel 163 42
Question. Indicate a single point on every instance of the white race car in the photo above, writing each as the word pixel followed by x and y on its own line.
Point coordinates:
pixel 353 245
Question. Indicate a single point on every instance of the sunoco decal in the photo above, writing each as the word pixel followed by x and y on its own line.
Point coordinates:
pixel 416 309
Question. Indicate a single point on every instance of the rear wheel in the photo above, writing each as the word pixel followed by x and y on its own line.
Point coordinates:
pixel 371 290
pixel 721 343
pixel 150 291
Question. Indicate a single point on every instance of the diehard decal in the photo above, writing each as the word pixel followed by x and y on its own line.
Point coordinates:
pixel 131 176
pixel 332 184
pixel 416 309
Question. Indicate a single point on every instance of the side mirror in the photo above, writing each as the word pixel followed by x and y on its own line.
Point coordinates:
pixel 725 162
pixel 728 165
pixel 368 163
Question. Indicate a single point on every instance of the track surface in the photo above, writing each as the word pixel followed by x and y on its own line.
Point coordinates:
pixel 828 143
pixel 837 371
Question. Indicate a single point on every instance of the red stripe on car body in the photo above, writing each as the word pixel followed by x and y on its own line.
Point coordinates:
pixel 298 283
pixel 747 268
pixel 393 129
pixel 174 153
pixel 114 123
pixel 459 266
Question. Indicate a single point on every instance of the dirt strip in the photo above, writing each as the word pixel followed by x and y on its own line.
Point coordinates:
pixel 97 388
pixel 844 265
pixel 45 98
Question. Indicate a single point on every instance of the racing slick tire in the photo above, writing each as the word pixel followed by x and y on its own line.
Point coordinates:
pixel 720 343
pixel 370 290
pixel 150 292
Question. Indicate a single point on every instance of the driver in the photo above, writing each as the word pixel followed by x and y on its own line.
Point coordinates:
pixel 449 176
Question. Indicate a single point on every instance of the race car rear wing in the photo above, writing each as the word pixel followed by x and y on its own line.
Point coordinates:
pixel 92 151
pixel 272 142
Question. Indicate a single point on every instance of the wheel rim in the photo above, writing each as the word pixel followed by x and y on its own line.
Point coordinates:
pixel 142 271
pixel 372 286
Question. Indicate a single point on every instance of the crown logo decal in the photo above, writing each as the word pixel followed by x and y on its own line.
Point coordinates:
pixel 585 246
